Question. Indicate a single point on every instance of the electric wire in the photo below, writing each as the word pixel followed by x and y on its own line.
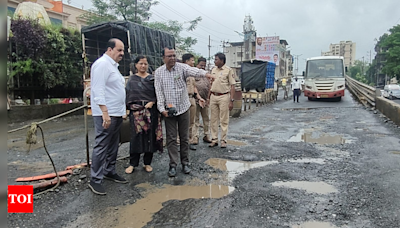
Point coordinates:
pixel 208 16
pixel 186 18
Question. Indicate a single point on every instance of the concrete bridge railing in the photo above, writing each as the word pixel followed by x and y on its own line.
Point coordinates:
pixel 367 95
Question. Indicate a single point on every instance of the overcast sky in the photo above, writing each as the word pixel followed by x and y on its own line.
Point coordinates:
pixel 309 26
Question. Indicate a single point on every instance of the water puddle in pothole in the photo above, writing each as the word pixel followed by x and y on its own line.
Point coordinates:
pixel 314 224
pixel 141 212
pixel 395 152
pixel 320 161
pixel 312 136
pixel 235 168
pixel 235 143
pixel 310 187
pixel 332 153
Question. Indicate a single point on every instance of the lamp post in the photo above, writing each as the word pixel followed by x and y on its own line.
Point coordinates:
pixel 297 63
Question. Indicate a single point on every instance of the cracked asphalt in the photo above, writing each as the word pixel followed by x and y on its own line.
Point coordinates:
pixel 308 164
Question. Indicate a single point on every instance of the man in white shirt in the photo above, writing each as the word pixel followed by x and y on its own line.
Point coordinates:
pixel 108 108
pixel 296 87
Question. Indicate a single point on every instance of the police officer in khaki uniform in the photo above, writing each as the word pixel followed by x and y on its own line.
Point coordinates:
pixel 193 94
pixel 221 98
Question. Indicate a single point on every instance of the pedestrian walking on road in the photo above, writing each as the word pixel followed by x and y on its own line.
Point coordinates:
pixel 173 102
pixel 108 108
pixel 145 120
pixel 203 87
pixel 221 99
pixel 276 88
pixel 296 87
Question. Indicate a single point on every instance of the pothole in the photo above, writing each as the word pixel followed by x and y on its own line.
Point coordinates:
pixel 312 136
pixel 310 187
pixel 235 168
pixel 314 224
pixel 331 152
pixel 235 143
pixel 141 212
pixel 320 161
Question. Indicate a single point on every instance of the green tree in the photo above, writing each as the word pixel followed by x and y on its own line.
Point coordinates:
pixel 175 28
pixel 49 57
pixel 358 71
pixel 392 46
pixel 372 73
pixel 138 11
pixel 128 10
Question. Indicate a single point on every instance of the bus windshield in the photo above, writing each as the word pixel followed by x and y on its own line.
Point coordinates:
pixel 325 68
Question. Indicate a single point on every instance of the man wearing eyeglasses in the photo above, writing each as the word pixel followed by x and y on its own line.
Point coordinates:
pixel 173 102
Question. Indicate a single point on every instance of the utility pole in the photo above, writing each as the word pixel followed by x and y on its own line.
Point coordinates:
pixel 362 68
pixel 209 49
pixel 370 58
pixel 297 63
pixel 136 11
pixel 241 54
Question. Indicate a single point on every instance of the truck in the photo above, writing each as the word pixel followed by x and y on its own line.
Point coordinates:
pixel 138 40
pixel 324 77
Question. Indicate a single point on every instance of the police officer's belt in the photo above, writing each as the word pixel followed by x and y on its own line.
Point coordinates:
pixel 219 94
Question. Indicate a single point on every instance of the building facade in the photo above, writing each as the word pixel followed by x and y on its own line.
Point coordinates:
pixel 59 13
pixel 346 49
pixel 235 53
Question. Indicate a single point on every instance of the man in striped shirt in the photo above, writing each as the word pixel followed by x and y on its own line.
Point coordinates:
pixel 171 91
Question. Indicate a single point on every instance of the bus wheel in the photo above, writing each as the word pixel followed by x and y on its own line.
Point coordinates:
pixel 310 98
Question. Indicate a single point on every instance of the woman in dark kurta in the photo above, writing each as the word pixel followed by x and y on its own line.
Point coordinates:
pixel 146 132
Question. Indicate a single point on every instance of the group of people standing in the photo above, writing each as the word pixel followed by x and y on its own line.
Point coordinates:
pixel 177 93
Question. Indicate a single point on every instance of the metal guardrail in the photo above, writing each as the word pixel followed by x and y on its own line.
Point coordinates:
pixel 365 94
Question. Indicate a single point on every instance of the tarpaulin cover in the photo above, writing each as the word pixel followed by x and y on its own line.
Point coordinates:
pixel 253 75
pixel 143 41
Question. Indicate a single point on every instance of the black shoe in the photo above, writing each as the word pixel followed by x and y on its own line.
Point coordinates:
pixel 97 188
pixel 172 172
pixel 206 139
pixel 116 178
pixel 186 169
pixel 192 147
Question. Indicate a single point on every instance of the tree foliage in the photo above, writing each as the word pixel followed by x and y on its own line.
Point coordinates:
pixel 50 56
pixel 28 46
pixel 175 28
pixel 136 11
pixel 391 44
pixel 358 71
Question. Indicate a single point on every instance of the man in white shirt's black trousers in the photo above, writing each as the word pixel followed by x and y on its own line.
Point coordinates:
pixel 108 108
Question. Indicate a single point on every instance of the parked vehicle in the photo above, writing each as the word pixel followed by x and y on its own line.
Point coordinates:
pixel 325 77
pixel 138 40
pixel 391 91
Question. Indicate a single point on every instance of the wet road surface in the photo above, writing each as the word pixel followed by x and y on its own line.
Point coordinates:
pixel 308 164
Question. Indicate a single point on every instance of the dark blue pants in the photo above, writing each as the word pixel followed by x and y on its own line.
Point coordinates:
pixel 296 94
